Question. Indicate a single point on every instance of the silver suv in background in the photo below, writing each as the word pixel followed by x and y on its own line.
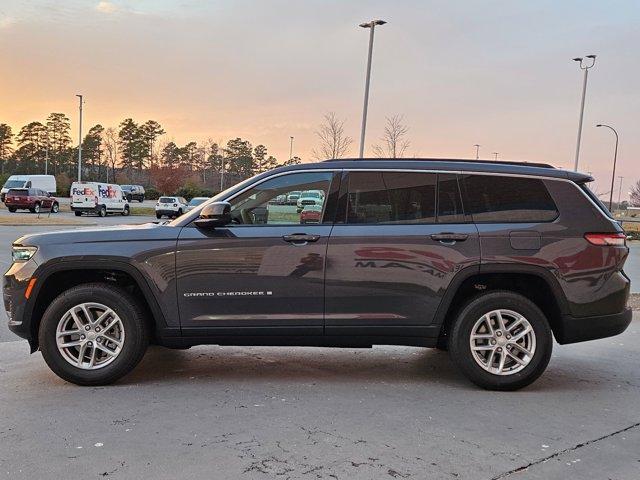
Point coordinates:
pixel 171 207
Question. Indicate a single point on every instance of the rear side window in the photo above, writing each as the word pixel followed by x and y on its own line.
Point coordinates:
pixel 391 198
pixel 504 199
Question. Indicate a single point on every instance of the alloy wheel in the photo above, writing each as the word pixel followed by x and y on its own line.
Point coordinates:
pixel 90 336
pixel 502 342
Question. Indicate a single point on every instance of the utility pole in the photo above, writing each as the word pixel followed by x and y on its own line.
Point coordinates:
pixel 615 159
pixel 291 149
pixel 495 156
pixel 477 151
pixel 620 191
pixel 80 142
pixel 372 25
pixel 584 65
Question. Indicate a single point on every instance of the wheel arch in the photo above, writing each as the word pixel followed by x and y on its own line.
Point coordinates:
pixel 535 283
pixel 57 278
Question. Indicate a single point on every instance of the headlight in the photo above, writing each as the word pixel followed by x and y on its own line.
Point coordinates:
pixel 22 254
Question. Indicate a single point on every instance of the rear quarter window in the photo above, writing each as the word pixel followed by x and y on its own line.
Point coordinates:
pixel 505 199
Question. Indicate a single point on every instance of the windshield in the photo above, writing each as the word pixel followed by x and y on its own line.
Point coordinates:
pixel 311 194
pixel 14 183
pixel 125 187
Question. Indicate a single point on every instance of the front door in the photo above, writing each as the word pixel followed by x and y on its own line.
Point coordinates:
pixel 264 273
pixel 399 239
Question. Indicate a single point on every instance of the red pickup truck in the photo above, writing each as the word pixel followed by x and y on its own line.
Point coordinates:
pixel 32 199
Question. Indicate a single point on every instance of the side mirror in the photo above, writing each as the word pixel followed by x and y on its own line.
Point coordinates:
pixel 216 214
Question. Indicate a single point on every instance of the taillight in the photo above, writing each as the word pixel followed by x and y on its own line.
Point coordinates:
pixel 175 204
pixel 606 239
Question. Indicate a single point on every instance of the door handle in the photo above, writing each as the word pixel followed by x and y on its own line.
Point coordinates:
pixel 449 238
pixel 300 238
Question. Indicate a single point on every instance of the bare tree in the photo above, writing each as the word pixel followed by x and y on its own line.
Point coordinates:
pixel 111 148
pixel 333 141
pixel 634 195
pixel 394 139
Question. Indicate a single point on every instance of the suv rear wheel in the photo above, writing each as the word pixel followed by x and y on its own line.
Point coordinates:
pixel 93 334
pixel 501 341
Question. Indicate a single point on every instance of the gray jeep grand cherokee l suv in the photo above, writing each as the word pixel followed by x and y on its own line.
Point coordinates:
pixel 487 260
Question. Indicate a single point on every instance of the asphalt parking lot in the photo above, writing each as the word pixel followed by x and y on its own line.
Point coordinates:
pixel 309 413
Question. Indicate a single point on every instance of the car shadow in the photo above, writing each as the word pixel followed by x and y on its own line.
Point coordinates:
pixel 391 365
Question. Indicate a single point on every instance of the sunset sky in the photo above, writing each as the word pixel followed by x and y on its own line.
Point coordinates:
pixel 497 73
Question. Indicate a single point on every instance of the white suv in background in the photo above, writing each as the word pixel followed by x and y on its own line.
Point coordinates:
pixel 171 207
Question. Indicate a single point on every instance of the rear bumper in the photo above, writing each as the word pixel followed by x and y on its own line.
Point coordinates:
pixel 20 206
pixel 168 213
pixel 580 329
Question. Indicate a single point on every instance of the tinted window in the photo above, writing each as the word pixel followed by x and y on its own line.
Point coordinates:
pixel 18 193
pixel 503 199
pixel 269 202
pixel 449 200
pixel 391 197
pixel 167 200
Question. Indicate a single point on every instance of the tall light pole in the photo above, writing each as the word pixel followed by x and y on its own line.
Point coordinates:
pixel 372 25
pixel 584 65
pixel 495 155
pixel 291 148
pixel 477 145
pixel 80 142
pixel 615 158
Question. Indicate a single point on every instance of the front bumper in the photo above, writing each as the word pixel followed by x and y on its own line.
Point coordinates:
pixel 580 329
pixel 18 307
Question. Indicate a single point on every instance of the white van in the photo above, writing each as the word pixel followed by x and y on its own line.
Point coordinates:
pixel 99 198
pixel 42 182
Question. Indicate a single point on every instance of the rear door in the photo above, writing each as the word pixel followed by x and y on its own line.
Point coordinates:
pixel 400 238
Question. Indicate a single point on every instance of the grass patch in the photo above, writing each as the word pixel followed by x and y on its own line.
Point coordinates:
pixel 149 211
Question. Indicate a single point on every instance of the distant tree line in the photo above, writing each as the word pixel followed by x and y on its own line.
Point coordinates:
pixel 134 153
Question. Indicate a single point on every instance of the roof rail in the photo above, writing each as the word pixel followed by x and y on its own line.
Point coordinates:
pixel 457 160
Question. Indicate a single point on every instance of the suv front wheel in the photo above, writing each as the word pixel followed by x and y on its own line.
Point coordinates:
pixel 501 341
pixel 93 334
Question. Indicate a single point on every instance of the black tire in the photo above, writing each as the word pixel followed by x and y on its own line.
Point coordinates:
pixel 179 212
pixel 36 208
pixel 460 348
pixel 141 199
pixel 55 208
pixel 158 216
pixel 125 212
pixel 128 197
pixel 12 209
pixel 133 320
pixel 78 213
pixel 102 211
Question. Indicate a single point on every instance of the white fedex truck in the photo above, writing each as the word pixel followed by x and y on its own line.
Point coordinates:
pixel 98 198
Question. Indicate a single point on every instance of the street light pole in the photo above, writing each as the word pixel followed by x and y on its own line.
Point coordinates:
pixel 372 25
pixel 495 156
pixel 615 158
pixel 477 145
pixel 80 142
pixel 291 149
pixel 584 65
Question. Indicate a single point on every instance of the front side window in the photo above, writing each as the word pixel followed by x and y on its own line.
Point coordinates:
pixel 391 198
pixel 504 199
pixel 275 201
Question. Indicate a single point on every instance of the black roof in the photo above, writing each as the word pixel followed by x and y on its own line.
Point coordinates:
pixel 453 164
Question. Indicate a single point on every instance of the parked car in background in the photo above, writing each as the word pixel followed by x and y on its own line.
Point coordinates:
pixel 33 199
pixel 292 197
pixel 133 192
pixel 171 207
pixel 311 214
pixel 98 198
pixel 42 182
pixel 311 197
pixel 196 201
